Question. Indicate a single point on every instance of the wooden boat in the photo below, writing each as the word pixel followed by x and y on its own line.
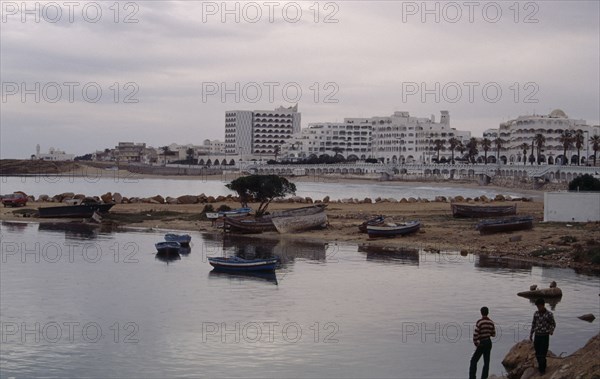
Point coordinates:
pixel 393 230
pixel 183 239
pixel 241 264
pixel 474 211
pixel 544 292
pixel 303 211
pixel 291 224
pixel 168 247
pixel 507 224
pixel 74 211
pixel 249 226
pixel 232 213
pixel 377 221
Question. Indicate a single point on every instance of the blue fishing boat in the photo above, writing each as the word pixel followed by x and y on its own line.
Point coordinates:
pixel 239 212
pixel 183 239
pixel 393 230
pixel 168 247
pixel 241 264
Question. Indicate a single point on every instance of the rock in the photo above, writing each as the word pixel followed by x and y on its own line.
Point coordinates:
pixel 459 199
pixel 553 284
pixel 210 199
pixel 187 199
pixel 326 199
pixel 533 287
pixel 125 201
pixel 589 317
pixel 367 200
pixel 171 200
pixel 79 196
pixel 424 200
pixel 499 198
pixel 308 200
pixel 107 197
pixel 220 198
pixel 297 199
pixel 484 199
pixel 44 198
pixel 117 198
pixel 378 199
pixel 440 199
pixel 412 200
pixel 392 200
pixel 403 200
pixel 346 201
pixel 152 201
pixel 476 199
pixel 159 199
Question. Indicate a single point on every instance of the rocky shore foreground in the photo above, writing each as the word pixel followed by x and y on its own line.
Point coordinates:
pixel 574 245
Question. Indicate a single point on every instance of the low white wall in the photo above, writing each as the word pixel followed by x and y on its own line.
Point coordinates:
pixel 572 206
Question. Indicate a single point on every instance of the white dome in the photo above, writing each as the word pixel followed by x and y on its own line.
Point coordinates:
pixel 558 113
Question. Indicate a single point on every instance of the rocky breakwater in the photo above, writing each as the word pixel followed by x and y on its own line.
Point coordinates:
pixel 520 362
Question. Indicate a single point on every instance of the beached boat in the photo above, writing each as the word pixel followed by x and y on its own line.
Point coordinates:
pixel 241 264
pixel 183 239
pixel 74 211
pixel 377 221
pixel 303 211
pixel 239 212
pixel 393 230
pixel 291 224
pixel 168 247
pixel 507 224
pixel 248 226
pixel 482 211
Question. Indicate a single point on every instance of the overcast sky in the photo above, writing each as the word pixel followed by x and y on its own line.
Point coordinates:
pixel 177 65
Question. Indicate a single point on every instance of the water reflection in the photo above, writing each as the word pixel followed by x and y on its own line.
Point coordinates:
pixel 76 230
pixel 14 227
pixel 551 301
pixel 286 250
pixel 268 276
pixel 185 251
pixel 506 264
pixel 406 256
pixel 167 257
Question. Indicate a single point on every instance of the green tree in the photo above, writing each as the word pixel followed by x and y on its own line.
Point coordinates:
pixel 595 141
pixel 438 145
pixel 578 140
pixel 276 150
pixel 453 143
pixel 486 144
pixel 540 140
pixel 498 142
pixel 566 139
pixel 166 150
pixel 472 149
pixel 189 155
pixel 584 183
pixel 262 189
pixel 524 146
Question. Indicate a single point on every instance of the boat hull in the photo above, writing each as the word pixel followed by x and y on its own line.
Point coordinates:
pixel 504 225
pixel 168 247
pixel 544 292
pixel 243 265
pixel 393 231
pixel 250 226
pixel 299 223
pixel 377 221
pixel 73 211
pixel 482 211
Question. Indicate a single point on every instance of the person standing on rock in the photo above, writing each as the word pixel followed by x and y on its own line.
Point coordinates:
pixel 484 331
pixel 542 326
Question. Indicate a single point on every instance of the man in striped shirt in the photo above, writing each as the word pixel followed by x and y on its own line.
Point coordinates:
pixel 543 325
pixel 484 331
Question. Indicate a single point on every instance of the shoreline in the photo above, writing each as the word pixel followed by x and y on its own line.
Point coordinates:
pixel 547 244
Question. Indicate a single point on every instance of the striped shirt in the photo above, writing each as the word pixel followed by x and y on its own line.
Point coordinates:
pixel 543 323
pixel 484 329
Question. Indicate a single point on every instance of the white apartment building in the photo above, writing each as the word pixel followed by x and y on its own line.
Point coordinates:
pixel 52 155
pixel 524 129
pixel 259 132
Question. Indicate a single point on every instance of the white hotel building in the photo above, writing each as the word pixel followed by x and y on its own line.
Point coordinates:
pixel 398 138
pixel 523 130
pixel 258 132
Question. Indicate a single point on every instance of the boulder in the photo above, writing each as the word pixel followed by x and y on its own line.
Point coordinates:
pixel 159 199
pixel 589 317
pixel 79 196
pixel 484 199
pixel 107 197
pixel 476 199
pixel 412 200
pixel 171 200
pixel 459 199
pixel 220 198
pixel 117 198
pixel 378 200
pixel 403 200
pixel 187 199
pixel 44 198
pixel 499 198
pixel 367 200
pixel 440 199
pixel 297 199
pixel 533 287
pixel 308 200
pixel 326 199
pixel 210 199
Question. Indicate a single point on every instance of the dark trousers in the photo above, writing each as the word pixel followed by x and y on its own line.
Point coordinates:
pixel 541 344
pixel 484 348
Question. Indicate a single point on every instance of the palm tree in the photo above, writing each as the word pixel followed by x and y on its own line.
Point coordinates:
pixel 461 148
pixel 486 144
pixel 453 142
pixel 595 140
pixel 166 150
pixel 540 140
pixel 566 140
pixel 498 142
pixel 189 155
pixel 276 150
pixel 524 146
pixel 578 139
pixel 337 150
pixel 472 149
pixel 438 145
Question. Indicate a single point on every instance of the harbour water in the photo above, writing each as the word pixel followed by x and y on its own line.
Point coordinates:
pixel 315 187
pixel 84 302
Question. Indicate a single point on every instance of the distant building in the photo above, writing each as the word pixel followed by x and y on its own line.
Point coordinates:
pixel 129 152
pixel 523 130
pixel 52 155
pixel 260 132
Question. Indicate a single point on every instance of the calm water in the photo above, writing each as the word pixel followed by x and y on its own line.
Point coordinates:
pixel 317 189
pixel 81 302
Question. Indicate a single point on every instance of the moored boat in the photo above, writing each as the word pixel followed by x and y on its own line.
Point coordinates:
pixel 507 224
pixel 302 211
pixel 168 247
pixel 377 221
pixel 249 226
pixel 241 264
pixel 74 211
pixel 291 224
pixel 393 230
pixel 544 292
pixel 183 239
pixel 482 211
pixel 239 212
